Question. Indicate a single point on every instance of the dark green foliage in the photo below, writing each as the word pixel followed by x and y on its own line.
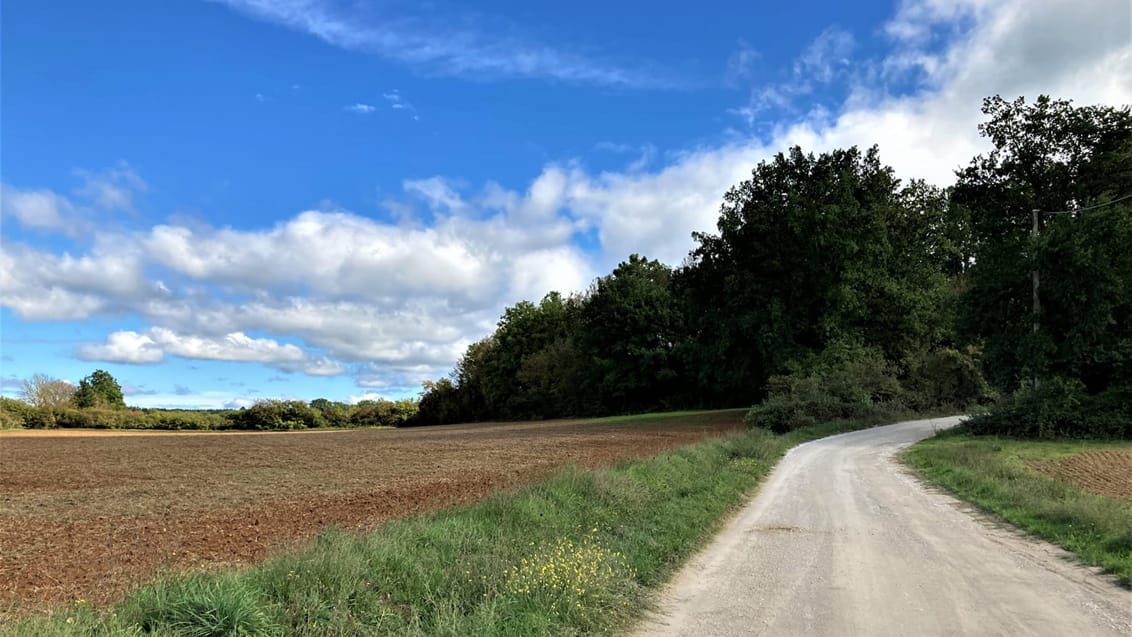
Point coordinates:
pixel 278 415
pixel 811 250
pixel 263 416
pixel 382 413
pixel 1059 408
pixel 440 403
pixel 630 328
pixel 946 377
pixel 844 382
pixel 99 390
pixel 1052 156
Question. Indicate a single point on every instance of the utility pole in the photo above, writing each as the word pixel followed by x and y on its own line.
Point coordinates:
pixel 1037 299
pixel 1034 272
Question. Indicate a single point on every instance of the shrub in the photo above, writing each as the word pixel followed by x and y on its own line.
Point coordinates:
pixel 73 418
pixel 947 378
pixel 1059 408
pixel 278 415
pixel 21 414
pixel 383 413
pixel 844 382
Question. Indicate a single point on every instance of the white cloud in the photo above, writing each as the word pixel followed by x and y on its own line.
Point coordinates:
pixel 824 60
pixel 123 347
pixel 369 395
pixel 40 285
pixel 393 303
pixel 741 63
pixel 361 109
pixel 398 103
pixel 321 366
pixel 434 47
pixel 113 189
pixel 152 345
pixel 41 209
pixel 825 56
pixel 101 191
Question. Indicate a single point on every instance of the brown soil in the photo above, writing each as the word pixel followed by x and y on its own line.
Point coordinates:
pixel 1103 472
pixel 90 514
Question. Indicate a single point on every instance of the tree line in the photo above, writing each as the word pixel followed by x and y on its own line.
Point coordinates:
pixel 830 285
pixel 98 402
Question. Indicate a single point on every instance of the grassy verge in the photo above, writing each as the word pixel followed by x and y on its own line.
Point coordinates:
pixel 576 554
pixel 992 474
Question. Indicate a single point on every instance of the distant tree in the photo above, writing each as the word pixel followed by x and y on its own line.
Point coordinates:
pixel 99 390
pixel 524 330
pixel 43 391
pixel 321 404
pixel 629 331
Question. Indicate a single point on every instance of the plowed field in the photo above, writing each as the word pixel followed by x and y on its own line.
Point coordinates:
pixel 90 514
pixel 1103 472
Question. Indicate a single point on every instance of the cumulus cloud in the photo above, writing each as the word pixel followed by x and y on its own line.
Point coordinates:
pixel 361 109
pixel 41 209
pixel 41 285
pixel 128 346
pixel 369 395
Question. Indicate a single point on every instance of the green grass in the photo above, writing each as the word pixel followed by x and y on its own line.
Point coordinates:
pixel 991 473
pixel 579 553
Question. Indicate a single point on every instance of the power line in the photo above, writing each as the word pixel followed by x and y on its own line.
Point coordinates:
pixel 1069 212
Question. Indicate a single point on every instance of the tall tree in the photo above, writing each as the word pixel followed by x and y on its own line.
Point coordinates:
pixel 630 330
pixel 1051 156
pixel 42 390
pixel 810 250
pixel 99 390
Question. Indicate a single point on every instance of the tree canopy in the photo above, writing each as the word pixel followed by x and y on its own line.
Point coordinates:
pixel 99 390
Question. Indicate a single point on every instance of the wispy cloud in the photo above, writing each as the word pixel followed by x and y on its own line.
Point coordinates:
pixel 824 60
pixel 111 189
pixel 741 64
pixel 434 47
pixel 361 109
pixel 398 103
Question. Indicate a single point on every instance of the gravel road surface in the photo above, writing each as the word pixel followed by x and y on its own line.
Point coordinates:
pixel 843 540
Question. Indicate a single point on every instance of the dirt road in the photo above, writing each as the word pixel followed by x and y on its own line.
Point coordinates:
pixel 842 540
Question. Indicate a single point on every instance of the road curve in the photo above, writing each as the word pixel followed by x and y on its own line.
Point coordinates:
pixel 842 540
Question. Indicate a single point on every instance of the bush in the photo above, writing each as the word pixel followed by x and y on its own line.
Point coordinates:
pixel 278 415
pixel 947 378
pixel 844 382
pixel 16 413
pixel 383 413
pixel 1059 408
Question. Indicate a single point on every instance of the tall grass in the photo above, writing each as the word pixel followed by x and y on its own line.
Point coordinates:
pixel 991 473
pixel 578 553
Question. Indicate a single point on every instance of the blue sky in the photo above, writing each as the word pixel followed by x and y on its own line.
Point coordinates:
pixel 225 201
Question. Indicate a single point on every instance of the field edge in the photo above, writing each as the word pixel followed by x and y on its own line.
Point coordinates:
pixel 996 476
pixel 638 522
